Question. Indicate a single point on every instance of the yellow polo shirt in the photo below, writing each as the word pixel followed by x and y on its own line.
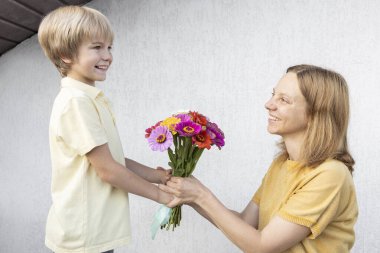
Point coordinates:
pixel 87 214
pixel 322 199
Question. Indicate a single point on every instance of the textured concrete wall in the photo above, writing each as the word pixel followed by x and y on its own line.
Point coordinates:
pixel 219 57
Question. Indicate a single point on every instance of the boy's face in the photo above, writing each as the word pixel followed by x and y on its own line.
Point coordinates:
pixel 92 62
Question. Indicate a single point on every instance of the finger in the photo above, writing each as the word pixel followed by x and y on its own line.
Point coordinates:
pixel 173 203
pixel 176 179
pixel 172 184
pixel 168 189
pixel 160 168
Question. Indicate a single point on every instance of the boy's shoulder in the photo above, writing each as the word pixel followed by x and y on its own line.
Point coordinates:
pixel 73 94
pixel 69 94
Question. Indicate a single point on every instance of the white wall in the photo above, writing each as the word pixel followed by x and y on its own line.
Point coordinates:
pixel 219 57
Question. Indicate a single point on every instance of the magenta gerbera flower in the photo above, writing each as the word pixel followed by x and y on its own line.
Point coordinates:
pixel 216 134
pixel 183 117
pixel 160 139
pixel 188 128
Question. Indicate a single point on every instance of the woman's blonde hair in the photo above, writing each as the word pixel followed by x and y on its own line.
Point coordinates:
pixel 327 98
pixel 62 31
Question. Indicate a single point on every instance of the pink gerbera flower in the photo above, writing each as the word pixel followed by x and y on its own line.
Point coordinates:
pixel 160 139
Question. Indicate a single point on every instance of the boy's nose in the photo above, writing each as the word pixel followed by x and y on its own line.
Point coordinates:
pixel 107 55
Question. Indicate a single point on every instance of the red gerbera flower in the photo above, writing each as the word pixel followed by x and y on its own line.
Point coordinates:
pixel 198 118
pixel 202 140
pixel 149 130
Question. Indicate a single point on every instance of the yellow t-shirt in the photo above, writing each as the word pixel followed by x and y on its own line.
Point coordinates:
pixel 87 214
pixel 322 199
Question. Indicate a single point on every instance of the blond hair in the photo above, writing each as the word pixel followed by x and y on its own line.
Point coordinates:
pixel 62 31
pixel 327 98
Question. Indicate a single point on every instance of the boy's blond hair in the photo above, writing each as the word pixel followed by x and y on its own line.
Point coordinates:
pixel 63 30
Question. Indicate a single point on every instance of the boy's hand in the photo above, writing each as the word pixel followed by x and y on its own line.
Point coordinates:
pixel 165 175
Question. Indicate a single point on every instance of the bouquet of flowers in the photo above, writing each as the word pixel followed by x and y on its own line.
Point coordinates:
pixel 191 133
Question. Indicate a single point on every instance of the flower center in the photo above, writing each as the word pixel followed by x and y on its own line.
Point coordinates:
pixel 200 138
pixel 161 138
pixel 188 129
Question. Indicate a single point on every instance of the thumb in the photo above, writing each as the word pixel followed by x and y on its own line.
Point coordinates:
pixel 174 202
pixel 160 168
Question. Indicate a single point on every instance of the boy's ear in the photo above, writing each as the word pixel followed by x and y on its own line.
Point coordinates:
pixel 66 60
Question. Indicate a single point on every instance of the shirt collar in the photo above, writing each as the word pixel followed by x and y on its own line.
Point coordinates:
pixel 92 91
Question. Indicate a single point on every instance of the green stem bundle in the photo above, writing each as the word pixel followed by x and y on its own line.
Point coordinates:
pixel 182 161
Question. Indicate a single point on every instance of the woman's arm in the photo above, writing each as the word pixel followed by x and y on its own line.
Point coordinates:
pixel 250 214
pixel 277 236
pixel 199 210
pixel 157 176
pixel 120 177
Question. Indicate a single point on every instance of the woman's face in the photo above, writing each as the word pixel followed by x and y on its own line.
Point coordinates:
pixel 287 109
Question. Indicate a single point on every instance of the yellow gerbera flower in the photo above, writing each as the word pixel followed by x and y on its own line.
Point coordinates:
pixel 171 123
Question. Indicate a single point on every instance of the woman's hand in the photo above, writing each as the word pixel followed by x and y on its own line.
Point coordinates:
pixel 164 197
pixel 185 190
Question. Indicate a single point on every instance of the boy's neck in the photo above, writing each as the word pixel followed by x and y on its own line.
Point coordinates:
pixel 82 80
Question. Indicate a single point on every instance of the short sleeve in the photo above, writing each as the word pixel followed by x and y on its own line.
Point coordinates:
pixel 316 202
pixel 257 196
pixel 79 126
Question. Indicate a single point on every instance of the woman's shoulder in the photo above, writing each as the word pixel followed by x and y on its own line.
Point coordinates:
pixel 333 171
pixel 335 167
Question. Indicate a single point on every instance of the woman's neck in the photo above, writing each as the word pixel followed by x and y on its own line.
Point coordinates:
pixel 293 147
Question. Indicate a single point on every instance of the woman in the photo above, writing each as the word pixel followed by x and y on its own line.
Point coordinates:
pixel 307 201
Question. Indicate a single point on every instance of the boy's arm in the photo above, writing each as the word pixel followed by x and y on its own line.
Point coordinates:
pixel 120 177
pixel 156 176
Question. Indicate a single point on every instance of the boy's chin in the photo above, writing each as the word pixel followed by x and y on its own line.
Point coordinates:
pixel 101 78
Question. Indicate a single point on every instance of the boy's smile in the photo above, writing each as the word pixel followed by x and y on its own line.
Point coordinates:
pixel 92 62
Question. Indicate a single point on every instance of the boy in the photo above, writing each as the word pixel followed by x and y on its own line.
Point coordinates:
pixel 90 176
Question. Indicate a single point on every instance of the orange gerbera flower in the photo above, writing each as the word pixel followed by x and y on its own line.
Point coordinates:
pixel 198 118
pixel 202 140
